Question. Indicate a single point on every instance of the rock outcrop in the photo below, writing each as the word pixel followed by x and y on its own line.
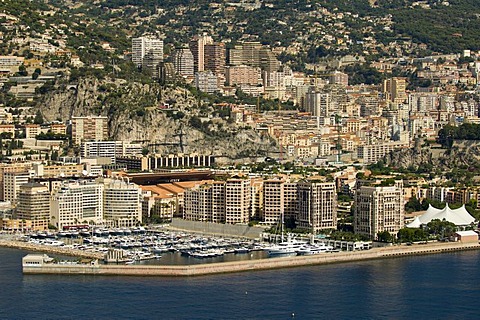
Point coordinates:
pixel 135 113
pixel 464 153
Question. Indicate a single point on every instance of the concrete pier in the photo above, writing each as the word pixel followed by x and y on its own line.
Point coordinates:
pixel 50 249
pixel 250 265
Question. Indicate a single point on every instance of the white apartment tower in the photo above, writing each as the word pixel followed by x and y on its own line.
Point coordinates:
pixel 143 46
pixel 317 103
pixel 77 203
pixel 183 62
pixel 122 203
pixel 206 81
pixel 379 209
pixel 11 185
pixel 317 205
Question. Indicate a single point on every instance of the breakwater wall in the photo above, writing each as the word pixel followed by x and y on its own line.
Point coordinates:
pixel 218 229
pixel 50 249
pixel 250 265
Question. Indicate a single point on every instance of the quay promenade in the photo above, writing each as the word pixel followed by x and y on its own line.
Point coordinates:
pixel 250 265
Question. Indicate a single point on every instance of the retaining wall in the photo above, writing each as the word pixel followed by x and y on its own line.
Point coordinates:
pixel 226 230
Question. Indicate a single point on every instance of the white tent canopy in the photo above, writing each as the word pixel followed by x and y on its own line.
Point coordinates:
pixel 459 217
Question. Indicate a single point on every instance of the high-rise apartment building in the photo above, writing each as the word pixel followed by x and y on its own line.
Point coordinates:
pixel 394 89
pixel 197 47
pixel 77 203
pixel 11 185
pixel 214 60
pixel 144 46
pixel 317 205
pixel 90 128
pixel 205 202
pixel 183 62
pixel 379 209
pixel 273 201
pixel 253 54
pixel 318 103
pixel 7 167
pixel 122 203
pixel 290 199
pixel 237 201
pixel 34 205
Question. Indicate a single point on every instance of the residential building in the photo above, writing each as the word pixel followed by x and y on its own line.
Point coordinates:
pixel 58 128
pixel 374 152
pixel 338 77
pixel 273 201
pixel 90 128
pixel 317 103
pixel 379 209
pixel 75 203
pixel 394 89
pixel 183 62
pixel 214 58
pixel 11 185
pixel 15 167
pixel 243 74
pixel 197 47
pixel 122 203
pixel 144 46
pixel 8 129
pixel 34 204
pixel 109 149
pixel 31 130
pixel 317 205
pixel 237 201
pixel 206 81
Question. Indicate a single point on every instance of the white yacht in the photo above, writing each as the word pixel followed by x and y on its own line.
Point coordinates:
pixel 285 248
pixel 314 249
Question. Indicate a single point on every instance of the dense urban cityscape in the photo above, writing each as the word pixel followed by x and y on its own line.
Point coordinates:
pixel 355 137
pixel 240 159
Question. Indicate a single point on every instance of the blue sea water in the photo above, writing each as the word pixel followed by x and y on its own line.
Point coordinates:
pixel 442 286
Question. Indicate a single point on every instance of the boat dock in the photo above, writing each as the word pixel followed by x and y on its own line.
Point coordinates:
pixel 95 268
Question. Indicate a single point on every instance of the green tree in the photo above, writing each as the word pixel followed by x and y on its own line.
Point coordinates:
pixel 384 236
pixel 38 118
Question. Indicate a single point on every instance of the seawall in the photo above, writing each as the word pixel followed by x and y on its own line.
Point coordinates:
pixel 250 265
pixel 50 249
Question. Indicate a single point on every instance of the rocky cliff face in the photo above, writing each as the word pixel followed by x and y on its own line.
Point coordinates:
pixel 465 153
pixel 134 114
pixel 411 158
